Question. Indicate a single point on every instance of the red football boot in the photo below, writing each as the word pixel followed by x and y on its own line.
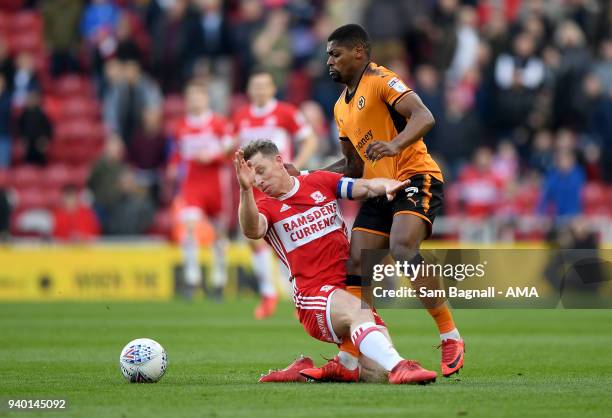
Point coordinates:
pixel 453 352
pixel 266 307
pixel 291 373
pixel 409 371
pixel 333 371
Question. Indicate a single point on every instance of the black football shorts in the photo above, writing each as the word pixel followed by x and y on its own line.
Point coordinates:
pixel 423 198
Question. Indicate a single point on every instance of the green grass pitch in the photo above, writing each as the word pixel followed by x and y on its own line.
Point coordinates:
pixel 535 363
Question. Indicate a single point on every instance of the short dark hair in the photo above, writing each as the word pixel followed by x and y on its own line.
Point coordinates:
pixel 264 146
pixel 351 35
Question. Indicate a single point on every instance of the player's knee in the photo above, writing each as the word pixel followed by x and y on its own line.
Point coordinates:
pixel 406 250
pixel 347 310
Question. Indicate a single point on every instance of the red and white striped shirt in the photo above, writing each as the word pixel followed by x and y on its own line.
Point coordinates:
pixel 279 122
pixel 306 230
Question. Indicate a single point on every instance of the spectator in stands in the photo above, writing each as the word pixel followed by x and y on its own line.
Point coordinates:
pixel 35 129
pixel 61 23
pixel 104 178
pixel 127 99
pixel 429 88
pixel 458 133
pixel 130 46
pixel 210 35
pixel 442 33
pixel 25 79
pixel 272 48
pixel 250 22
pixel 385 21
pixel 99 19
pixel 603 66
pixel 5 214
pixel 170 46
pixel 506 162
pixel 468 41
pixel 541 155
pixel 518 77
pixel 481 189
pixel 133 212
pixel 147 152
pixel 573 66
pixel 5 124
pixel 562 188
pixel 324 90
pixel 7 66
pixel 73 220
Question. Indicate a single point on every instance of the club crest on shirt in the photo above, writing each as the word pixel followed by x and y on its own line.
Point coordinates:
pixel 361 102
pixel 318 197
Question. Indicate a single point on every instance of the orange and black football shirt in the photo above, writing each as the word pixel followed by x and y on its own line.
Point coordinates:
pixel 369 115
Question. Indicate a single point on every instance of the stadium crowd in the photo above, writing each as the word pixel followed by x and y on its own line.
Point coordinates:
pixel 90 92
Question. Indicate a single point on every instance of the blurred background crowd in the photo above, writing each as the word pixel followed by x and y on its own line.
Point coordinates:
pixel 89 91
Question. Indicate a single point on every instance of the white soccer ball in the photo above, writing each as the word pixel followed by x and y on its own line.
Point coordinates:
pixel 143 361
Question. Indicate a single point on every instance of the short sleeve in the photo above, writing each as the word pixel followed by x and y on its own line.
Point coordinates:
pixel 392 89
pixel 326 180
pixel 264 210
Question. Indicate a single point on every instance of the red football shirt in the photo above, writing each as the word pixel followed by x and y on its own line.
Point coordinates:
pixel 277 121
pixel 208 134
pixel 307 231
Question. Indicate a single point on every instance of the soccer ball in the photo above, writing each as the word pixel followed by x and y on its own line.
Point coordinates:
pixel 143 361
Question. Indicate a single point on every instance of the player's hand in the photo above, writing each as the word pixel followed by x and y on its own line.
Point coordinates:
pixel 380 149
pixel 244 173
pixel 394 186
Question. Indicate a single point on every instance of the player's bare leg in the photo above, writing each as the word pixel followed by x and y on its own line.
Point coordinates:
pixel 263 268
pixel 349 318
pixel 407 233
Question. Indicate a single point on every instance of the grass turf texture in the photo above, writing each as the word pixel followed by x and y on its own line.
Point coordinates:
pixel 534 363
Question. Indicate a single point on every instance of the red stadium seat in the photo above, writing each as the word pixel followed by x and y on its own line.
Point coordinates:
pixel 595 199
pixel 162 224
pixel 452 199
pixel 30 22
pixel 26 176
pixel 77 129
pixel 30 42
pixel 32 197
pixel 4 178
pixel 73 85
pixel 56 176
pixel 5 19
pixel 79 107
pixel 79 174
pixel 11 5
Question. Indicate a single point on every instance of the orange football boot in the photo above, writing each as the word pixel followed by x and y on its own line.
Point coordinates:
pixel 453 352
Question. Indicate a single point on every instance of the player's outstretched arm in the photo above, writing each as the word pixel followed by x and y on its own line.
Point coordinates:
pixel 361 189
pixel 253 224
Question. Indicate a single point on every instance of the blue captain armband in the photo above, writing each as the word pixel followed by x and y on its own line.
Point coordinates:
pixel 345 188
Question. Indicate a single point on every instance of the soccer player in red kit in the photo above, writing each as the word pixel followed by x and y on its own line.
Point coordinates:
pixel 283 124
pixel 201 146
pixel 300 219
